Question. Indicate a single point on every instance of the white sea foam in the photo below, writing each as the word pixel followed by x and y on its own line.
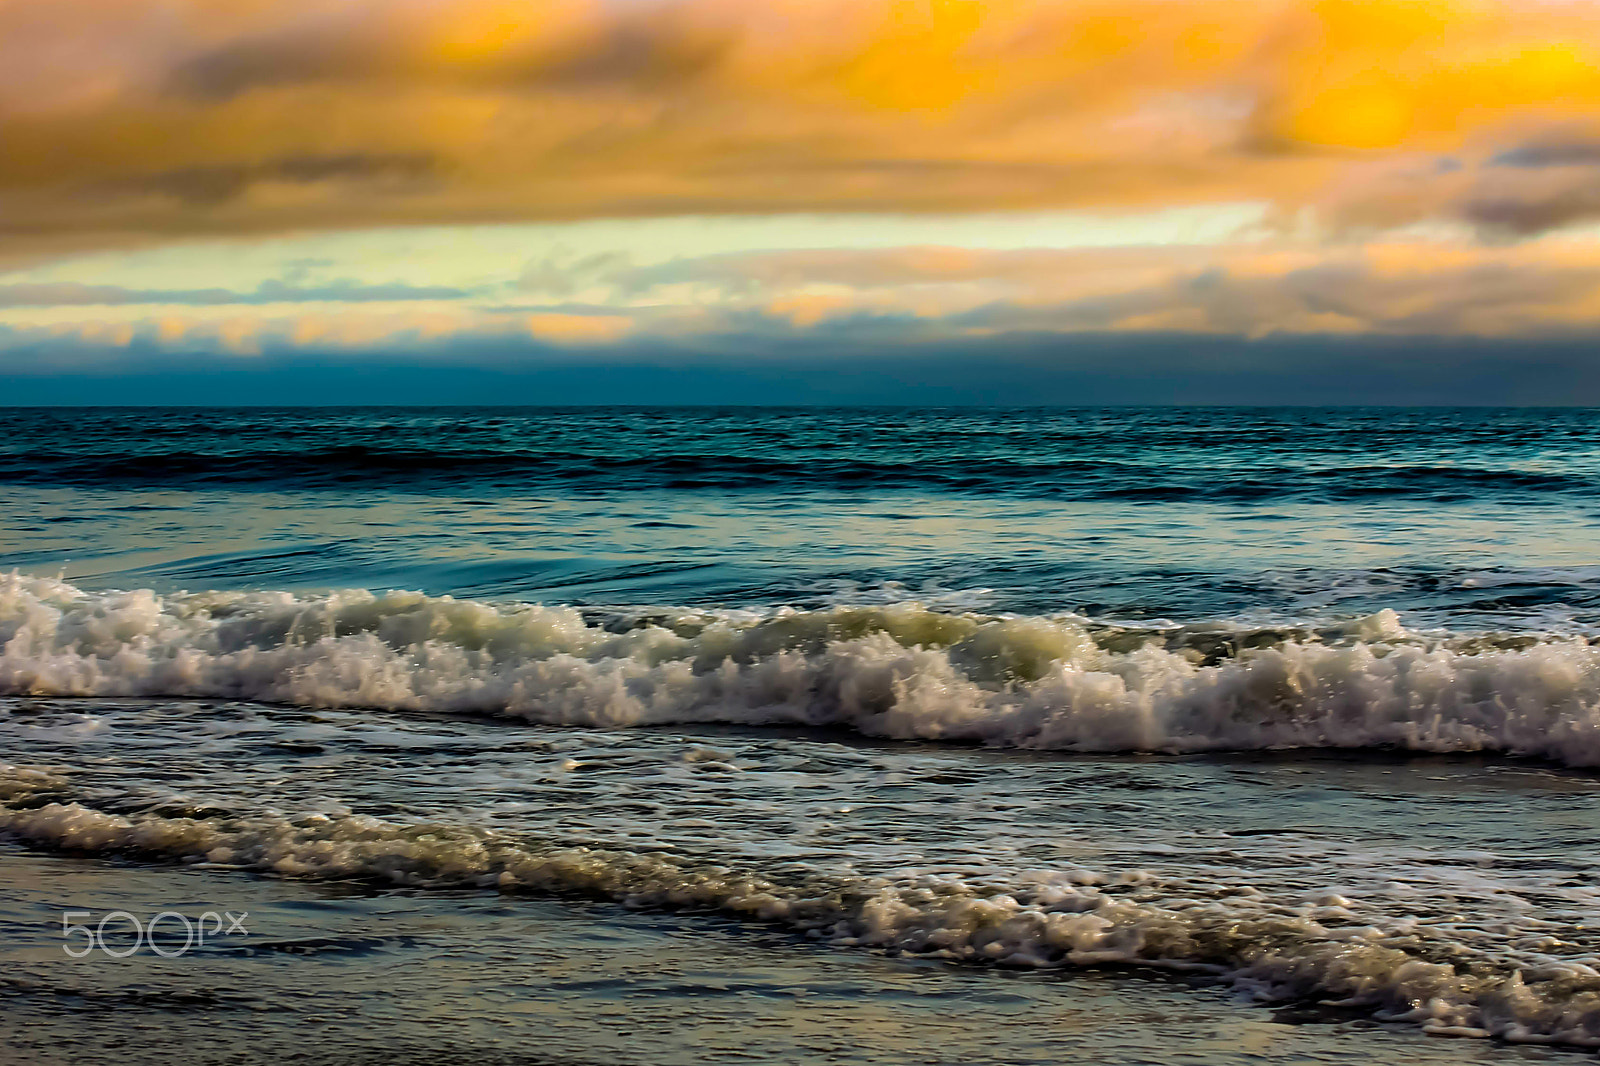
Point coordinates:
pixel 1040 919
pixel 893 670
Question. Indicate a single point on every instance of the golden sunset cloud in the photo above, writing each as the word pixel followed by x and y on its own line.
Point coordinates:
pixel 132 119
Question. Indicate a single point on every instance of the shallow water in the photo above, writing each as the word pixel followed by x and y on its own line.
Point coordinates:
pixel 1212 736
pixel 337 975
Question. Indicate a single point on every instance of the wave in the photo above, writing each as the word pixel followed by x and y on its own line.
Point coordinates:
pixel 893 670
pixel 1272 948
pixel 1089 478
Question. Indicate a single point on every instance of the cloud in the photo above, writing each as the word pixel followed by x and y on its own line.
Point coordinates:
pixel 1415 288
pixel 77 294
pixel 204 185
pixel 1501 193
pixel 147 119
pixel 578 329
pixel 1552 154
pixel 1410 288
pixel 562 273
pixel 756 302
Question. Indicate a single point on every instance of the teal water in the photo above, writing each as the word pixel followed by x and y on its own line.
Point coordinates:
pixel 1480 516
pixel 1155 735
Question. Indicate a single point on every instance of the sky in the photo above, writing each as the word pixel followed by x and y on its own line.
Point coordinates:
pixel 799 201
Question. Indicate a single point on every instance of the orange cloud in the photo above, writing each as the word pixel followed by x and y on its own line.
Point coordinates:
pixel 578 329
pixel 130 118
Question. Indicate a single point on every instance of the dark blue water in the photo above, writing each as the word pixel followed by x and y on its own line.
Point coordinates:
pixel 1119 454
pixel 1467 517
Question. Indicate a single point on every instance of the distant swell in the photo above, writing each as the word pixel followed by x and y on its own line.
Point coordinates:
pixel 898 671
pixel 441 469
pixel 1276 949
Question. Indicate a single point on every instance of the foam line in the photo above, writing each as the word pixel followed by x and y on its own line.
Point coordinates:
pixel 896 671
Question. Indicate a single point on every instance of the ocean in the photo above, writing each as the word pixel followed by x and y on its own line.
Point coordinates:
pixel 879 735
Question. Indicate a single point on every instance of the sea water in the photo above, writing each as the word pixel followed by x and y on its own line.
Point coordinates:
pixel 888 735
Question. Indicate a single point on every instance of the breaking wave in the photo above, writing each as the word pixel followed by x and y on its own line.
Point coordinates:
pixel 895 671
